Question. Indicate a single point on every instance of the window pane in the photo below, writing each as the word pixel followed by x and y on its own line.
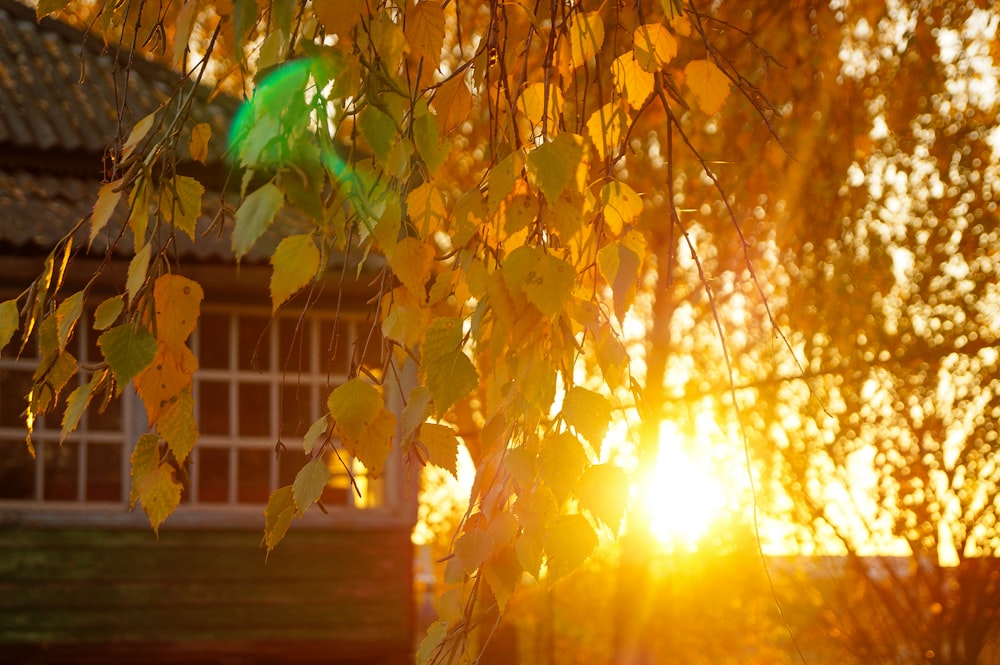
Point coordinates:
pixel 337 490
pixel 17 471
pixel 289 463
pixel 294 354
pixel 213 341
pixel 213 475
pixel 60 470
pixel 296 411
pixel 335 347
pixel 104 416
pixel 213 408
pixel 104 479
pixel 255 407
pixel 14 385
pixel 253 475
pixel 254 349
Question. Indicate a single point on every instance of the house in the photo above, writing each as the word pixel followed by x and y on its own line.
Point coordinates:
pixel 82 578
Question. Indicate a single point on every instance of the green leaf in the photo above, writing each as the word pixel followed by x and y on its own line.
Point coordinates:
pixel 441 444
pixel 296 262
pixel 589 413
pixel 184 207
pixel 159 495
pixel 244 16
pixel 569 541
pixel 444 335
pixel 76 404
pixel 144 460
pixel 254 216
pixel 309 483
pixel 555 163
pixel 379 130
pixel 450 378
pixel 108 312
pixel 278 516
pixel 8 321
pixel 427 139
pixel 177 426
pixel 67 315
pixel 603 490
pixel 128 349
pixel 46 7
pixel 354 406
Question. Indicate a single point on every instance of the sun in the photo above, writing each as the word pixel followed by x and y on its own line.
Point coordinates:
pixel 681 497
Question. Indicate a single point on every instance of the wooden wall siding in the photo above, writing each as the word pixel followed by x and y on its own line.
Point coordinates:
pixel 344 593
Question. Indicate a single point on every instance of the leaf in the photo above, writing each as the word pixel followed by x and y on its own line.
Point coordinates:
pixel 426 208
pixel 441 444
pixel 182 37
pixel 312 435
pixel 443 336
pixel 569 541
pixel 178 303
pixel 503 573
pixel 129 349
pixel 46 7
pixel 309 483
pixel 177 425
pixel 432 642
pixel 254 216
pixel 654 45
pixel 472 548
pixel 555 162
pixel 621 205
pixel 107 200
pixel 547 282
pixel 411 262
pixel 201 134
pixel 159 495
pixel 633 82
pixel 354 405
pixel 144 460
pixel 338 16
pixel 586 35
pixel 138 217
pixel 589 413
pixel 379 131
pixel 373 447
pixel 453 102
pixel 538 102
pixel 170 372
pixel 708 83
pixel 137 134
pixel 278 516
pixel 424 30
pixel 138 269
pixel 450 378
pixel 76 405
pixel 561 461
pixel 67 315
pixel 8 321
pixel 605 127
pixel 620 267
pixel 603 490
pixel 244 17
pixel 108 312
pixel 501 180
pixel 415 411
pixel 183 208
pixel 427 139
pixel 296 262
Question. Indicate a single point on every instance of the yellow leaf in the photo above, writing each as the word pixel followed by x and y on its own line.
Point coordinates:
pixel 171 371
pixel 411 263
pixel 338 16
pixel 545 280
pixel 177 425
pixel 309 483
pixel 535 105
pixel 159 495
pixel 605 127
pixel 472 548
pixel 137 134
pixel 708 83
pixel 138 218
pixel 182 33
pixel 137 271
pixel 633 82
pixel 441 445
pixel 503 573
pixel 449 378
pixel 107 312
pixel 178 303
pixel 620 266
pixel 561 461
pixel 654 45
pixel 603 490
pixel 443 335
pixel 181 203
pixel 312 435
pixel 278 516
pixel 425 206
pixel 586 35
pixel 681 25
pixel 107 200
pixel 453 102
pixel 554 163
pixel 373 447
pixel 67 315
pixel 296 262
pixel 76 404
pixel 354 405
pixel 589 413
pixel 8 321
pixel 424 30
pixel 569 541
pixel 144 460
pixel 621 205
pixel 201 133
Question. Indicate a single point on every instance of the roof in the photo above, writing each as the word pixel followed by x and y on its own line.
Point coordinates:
pixel 61 90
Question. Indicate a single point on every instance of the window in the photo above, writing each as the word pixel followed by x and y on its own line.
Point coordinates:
pixel 261 383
